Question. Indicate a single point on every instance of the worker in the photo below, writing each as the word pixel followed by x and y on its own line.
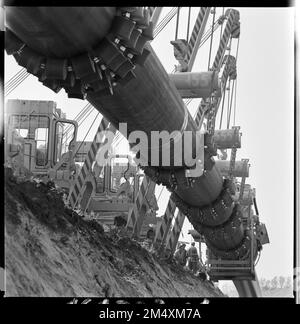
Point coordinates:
pixel 193 258
pixel 181 255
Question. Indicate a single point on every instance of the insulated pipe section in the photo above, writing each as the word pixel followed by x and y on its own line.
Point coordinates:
pixel 227 138
pixel 146 99
pixel 241 168
pixel 196 84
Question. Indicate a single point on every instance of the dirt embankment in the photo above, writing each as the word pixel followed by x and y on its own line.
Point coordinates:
pixel 51 251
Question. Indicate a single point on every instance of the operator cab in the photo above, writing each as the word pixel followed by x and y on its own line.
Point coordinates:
pixel 115 184
pixel 35 137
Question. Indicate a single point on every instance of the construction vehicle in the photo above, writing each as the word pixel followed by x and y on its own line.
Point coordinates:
pixel 37 145
pixel 112 65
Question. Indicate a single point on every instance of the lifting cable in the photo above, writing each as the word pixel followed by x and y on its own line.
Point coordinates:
pixel 188 25
pixel 87 110
pixel 228 102
pixel 78 117
pixel 232 94
pixel 164 22
pixel 188 101
pixel 83 114
pixel 223 99
pixel 177 23
pixel 160 193
pixel 221 118
pixel 234 105
pixel 86 134
pixel 117 140
pixel 211 38
pixel 14 82
pixel 208 33
pixel 67 133
pixel 237 48
pixel 10 82
pixel 236 56
pixel 86 115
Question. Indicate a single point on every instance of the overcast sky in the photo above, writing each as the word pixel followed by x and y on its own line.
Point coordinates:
pixel 264 112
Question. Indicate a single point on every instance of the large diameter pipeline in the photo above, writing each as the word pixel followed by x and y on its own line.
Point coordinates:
pixel 147 102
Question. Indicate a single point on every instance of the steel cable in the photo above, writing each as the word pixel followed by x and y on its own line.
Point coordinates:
pixel 86 134
pixel 211 39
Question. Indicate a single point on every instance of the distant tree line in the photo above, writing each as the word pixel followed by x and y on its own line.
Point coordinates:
pixel 275 282
pixel 267 285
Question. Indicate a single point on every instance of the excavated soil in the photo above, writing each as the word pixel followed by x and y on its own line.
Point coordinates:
pixel 52 251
